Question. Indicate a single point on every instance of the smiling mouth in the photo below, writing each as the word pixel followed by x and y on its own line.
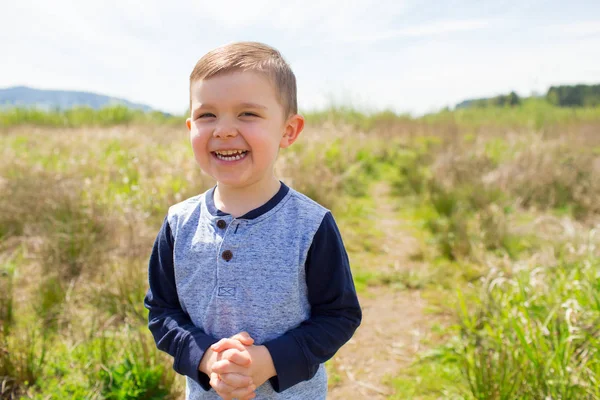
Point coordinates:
pixel 230 155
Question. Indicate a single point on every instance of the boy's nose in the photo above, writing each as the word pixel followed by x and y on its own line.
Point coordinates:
pixel 224 130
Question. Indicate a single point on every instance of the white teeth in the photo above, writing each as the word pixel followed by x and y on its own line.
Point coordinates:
pixel 230 152
pixel 228 155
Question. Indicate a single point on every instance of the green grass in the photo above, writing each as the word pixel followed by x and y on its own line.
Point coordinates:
pixel 532 114
pixel 118 367
pixel 7 273
pixel 535 335
pixel 435 374
pixel 82 117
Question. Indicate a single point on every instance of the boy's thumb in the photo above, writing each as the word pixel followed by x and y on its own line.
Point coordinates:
pixel 244 338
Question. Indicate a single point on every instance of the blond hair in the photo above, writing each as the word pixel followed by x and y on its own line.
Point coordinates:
pixel 250 56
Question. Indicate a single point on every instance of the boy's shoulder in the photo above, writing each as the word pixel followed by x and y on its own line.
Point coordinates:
pixel 190 202
pixel 186 207
pixel 308 203
pixel 301 212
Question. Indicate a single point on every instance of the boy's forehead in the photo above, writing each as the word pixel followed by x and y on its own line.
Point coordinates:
pixel 244 86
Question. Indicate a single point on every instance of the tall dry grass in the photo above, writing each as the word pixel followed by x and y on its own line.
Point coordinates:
pixel 81 207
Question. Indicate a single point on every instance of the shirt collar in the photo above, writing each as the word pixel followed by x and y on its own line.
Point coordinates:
pixel 252 214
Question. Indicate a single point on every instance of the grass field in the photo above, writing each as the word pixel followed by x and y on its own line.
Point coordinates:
pixel 503 204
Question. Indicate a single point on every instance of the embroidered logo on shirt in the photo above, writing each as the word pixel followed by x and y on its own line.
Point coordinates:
pixel 226 291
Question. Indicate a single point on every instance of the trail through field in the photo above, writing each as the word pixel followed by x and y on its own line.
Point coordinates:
pixel 394 322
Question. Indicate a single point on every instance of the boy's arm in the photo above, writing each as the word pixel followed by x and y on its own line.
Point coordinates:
pixel 171 327
pixel 335 311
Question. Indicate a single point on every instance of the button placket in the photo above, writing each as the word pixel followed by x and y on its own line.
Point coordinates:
pixel 226 273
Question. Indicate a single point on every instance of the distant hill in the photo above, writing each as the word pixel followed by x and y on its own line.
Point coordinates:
pixel 23 96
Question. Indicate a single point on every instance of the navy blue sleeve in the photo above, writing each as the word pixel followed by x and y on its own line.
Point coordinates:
pixel 173 331
pixel 335 311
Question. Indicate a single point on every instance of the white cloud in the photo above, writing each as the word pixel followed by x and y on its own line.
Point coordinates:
pixel 431 29
pixel 310 15
pixel 584 28
pixel 407 54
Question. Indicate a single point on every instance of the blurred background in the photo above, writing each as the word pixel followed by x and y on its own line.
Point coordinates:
pixel 457 144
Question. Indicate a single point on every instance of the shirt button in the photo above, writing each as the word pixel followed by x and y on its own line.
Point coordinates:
pixel 227 255
pixel 221 224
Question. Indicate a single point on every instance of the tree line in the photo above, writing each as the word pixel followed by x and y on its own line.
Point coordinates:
pixel 561 96
pixel 574 95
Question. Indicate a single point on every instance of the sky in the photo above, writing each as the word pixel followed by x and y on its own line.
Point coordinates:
pixel 412 56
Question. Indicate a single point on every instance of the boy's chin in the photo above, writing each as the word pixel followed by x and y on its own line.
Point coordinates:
pixel 239 183
pixel 232 182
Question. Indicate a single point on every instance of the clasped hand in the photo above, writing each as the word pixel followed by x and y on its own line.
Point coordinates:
pixel 236 367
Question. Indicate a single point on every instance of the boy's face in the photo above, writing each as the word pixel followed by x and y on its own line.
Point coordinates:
pixel 237 127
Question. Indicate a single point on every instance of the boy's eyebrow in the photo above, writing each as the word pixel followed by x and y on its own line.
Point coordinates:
pixel 253 105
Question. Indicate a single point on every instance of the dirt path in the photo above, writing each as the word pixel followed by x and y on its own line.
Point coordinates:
pixel 393 321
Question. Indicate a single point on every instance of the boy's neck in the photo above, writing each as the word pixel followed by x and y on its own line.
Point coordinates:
pixel 237 201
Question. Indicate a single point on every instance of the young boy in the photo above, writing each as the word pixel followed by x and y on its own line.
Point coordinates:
pixel 250 286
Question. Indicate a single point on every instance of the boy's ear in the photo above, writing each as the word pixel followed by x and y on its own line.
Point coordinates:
pixel 188 123
pixel 293 127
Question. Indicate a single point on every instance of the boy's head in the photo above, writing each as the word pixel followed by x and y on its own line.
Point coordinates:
pixel 250 56
pixel 243 109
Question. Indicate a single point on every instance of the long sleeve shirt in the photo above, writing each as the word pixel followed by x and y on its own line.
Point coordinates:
pixel 280 272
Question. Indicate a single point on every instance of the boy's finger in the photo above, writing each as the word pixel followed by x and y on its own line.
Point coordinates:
pixel 222 389
pixel 215 382
pixel 227 343
pixel 229 392
pixel 236 380
pixel 241 358
pixel 244 337
pixel 227 367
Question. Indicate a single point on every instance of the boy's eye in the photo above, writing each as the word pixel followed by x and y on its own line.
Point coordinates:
pixel 206 115
pixel 248 114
